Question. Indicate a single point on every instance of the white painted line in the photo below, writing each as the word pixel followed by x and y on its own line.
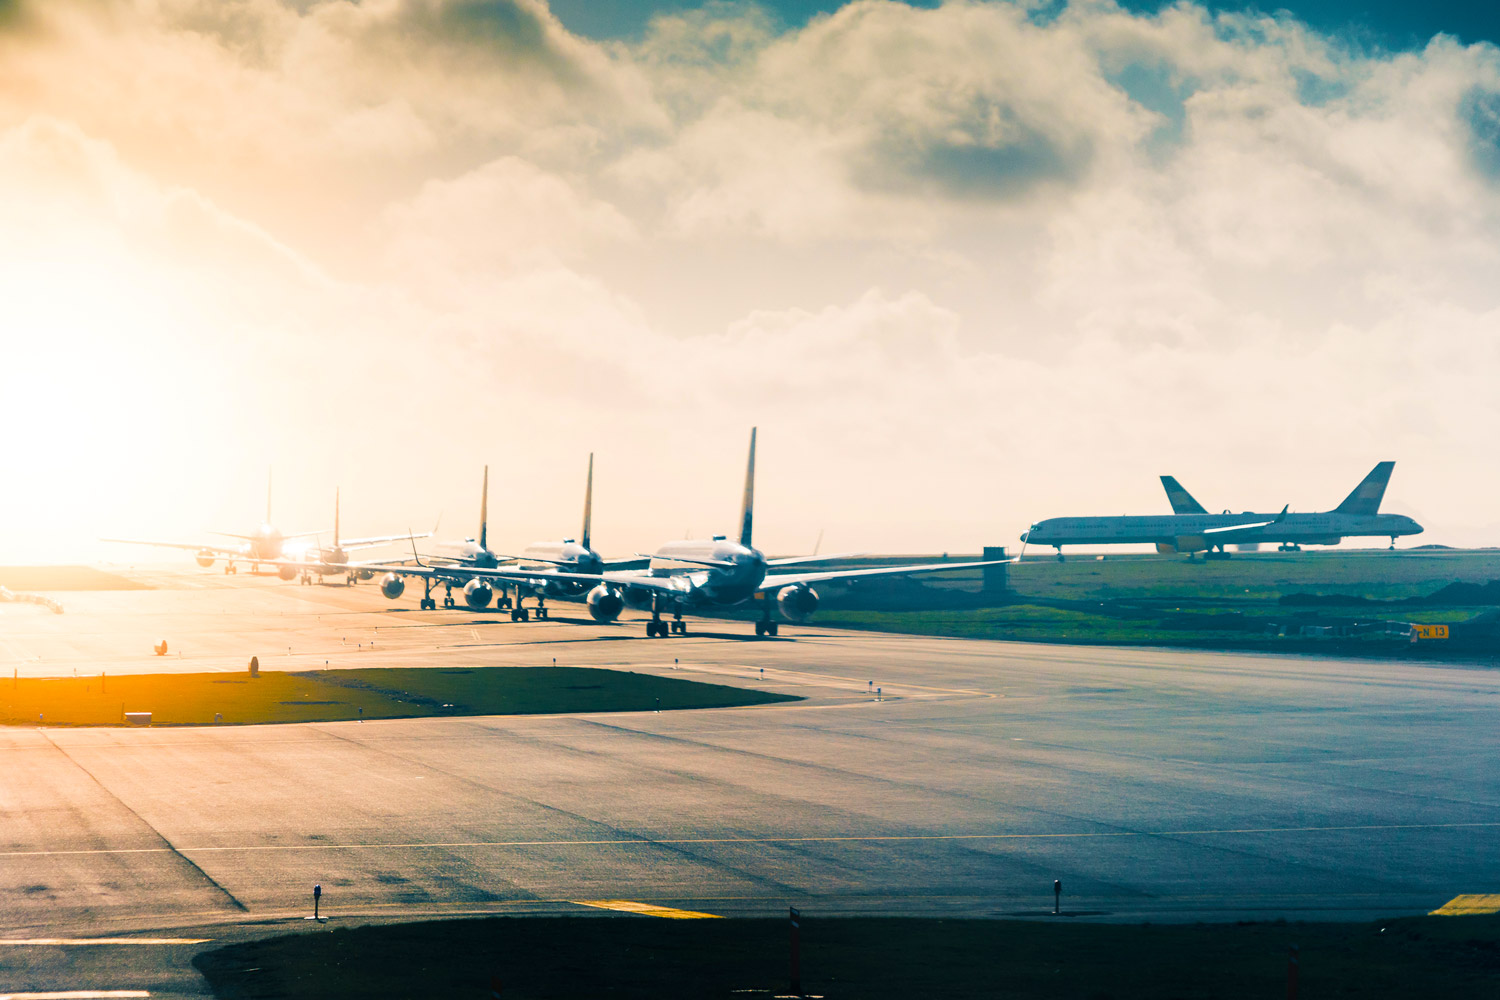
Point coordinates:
pixel 76 995
pixel 71 942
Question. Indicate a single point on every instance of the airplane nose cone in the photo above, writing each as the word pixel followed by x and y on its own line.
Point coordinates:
pixel 1024 535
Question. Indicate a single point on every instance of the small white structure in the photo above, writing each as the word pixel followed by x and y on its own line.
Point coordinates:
pixel 138 718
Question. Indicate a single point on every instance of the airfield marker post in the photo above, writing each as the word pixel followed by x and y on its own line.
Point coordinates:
pixel 317 895
pixel 1291 972
pixel 796 919
pixel 1057 897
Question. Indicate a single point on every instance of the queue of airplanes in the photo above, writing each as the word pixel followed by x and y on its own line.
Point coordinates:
pixel 683 577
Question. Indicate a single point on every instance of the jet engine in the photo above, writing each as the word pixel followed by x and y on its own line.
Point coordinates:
pixel 287 572
pixel 392 586
pixel 366 574
pixel 796 603
pixel 639 598
pixel 605 603
pixel 478 594
pixel 205 558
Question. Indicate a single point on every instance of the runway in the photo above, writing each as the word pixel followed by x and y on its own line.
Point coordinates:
pixel 1156 785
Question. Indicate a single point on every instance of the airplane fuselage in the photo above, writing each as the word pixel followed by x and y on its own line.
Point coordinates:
pixel 734 573
pixel 1195 532
pixel 559 557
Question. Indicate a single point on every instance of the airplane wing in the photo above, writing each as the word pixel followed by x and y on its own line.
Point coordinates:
pixel 374 540
pixel 219 550
pixel 1230 530
pixel 798 560
pixel 776 581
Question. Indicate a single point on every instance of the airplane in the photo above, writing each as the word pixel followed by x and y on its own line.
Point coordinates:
pixel 1193 530
pixel 335 560
pixel 266 545
pixel 685 576
pixel 543 569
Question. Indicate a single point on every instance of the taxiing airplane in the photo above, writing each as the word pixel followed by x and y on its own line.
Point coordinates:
pixel 1190 529
pixel 321 562
pixel 266 545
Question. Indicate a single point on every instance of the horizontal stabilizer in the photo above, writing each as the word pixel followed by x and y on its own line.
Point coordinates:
pixel 1365 500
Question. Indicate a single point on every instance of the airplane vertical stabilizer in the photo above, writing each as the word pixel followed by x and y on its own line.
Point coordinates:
pixel 747 504
pixel 484 511
pixel 1182 501
pixel 588 505
pixel 1365 500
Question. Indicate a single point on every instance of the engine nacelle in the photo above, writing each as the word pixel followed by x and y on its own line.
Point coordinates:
pixel 392 586
pixel 796 603
pixel 478 594
pixel 205 558
pixel 605 603
pixel 366 574
pixel 287 572
pixel 639 598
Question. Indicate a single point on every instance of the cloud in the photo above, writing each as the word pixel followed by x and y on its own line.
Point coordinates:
pixel 1025 256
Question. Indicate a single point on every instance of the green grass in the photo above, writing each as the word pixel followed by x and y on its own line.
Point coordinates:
pixel 333 695
pixel 635 958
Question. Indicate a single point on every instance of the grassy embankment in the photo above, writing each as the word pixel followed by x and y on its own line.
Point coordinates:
pixel 334 695
pixel 868 959
pixel 1169 600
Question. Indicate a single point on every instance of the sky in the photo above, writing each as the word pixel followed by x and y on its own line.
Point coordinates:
pixel 965 264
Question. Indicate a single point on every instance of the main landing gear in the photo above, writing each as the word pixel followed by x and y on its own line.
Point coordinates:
pixel 656 628
pixel 765 626
pixel 1392 546
pixel 427 603
pixel 1292 547
pixel 229 568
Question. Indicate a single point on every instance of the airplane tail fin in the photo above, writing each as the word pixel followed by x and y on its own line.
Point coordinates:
pixel 588 504
pixel 747 504
pixel 484 511
pixel 1365 500
pixel 1182 501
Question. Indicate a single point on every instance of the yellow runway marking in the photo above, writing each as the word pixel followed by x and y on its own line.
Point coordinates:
pixel 1469 906
pixel 34 942
pixel 646 909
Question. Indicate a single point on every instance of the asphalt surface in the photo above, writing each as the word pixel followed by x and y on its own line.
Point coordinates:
pixel 1157 785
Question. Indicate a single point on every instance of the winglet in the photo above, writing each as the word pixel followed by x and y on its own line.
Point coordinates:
pixel 1365 500
pixel 747 504
pixel 484 511
pixel 588 504
pixel 1282 516
pixel 415 558
pixel 1182 501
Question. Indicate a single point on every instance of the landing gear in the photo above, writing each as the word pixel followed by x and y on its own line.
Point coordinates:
pixel 541 609
pixel 656 628
pixel 448 600
pixel 1216 554
pixel 1060 555
pixel 503 601
pixel 519 613
pixel 1392 546
pixel 677 626
pixel 765 626
pixel 427 603
pixel 1292 547
pixel 231 568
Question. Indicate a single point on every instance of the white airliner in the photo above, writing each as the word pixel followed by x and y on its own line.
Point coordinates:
pixel 266 545
pixel 687 576
pixel 1191 529
pixel 334 560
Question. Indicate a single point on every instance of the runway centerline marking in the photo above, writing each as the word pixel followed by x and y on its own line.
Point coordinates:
pixel 1469 905
pixel 709 841
pixel 646 909
pixel 76 942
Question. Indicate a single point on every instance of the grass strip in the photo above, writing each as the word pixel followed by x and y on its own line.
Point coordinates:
pixel 872 959
pixel 340 695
